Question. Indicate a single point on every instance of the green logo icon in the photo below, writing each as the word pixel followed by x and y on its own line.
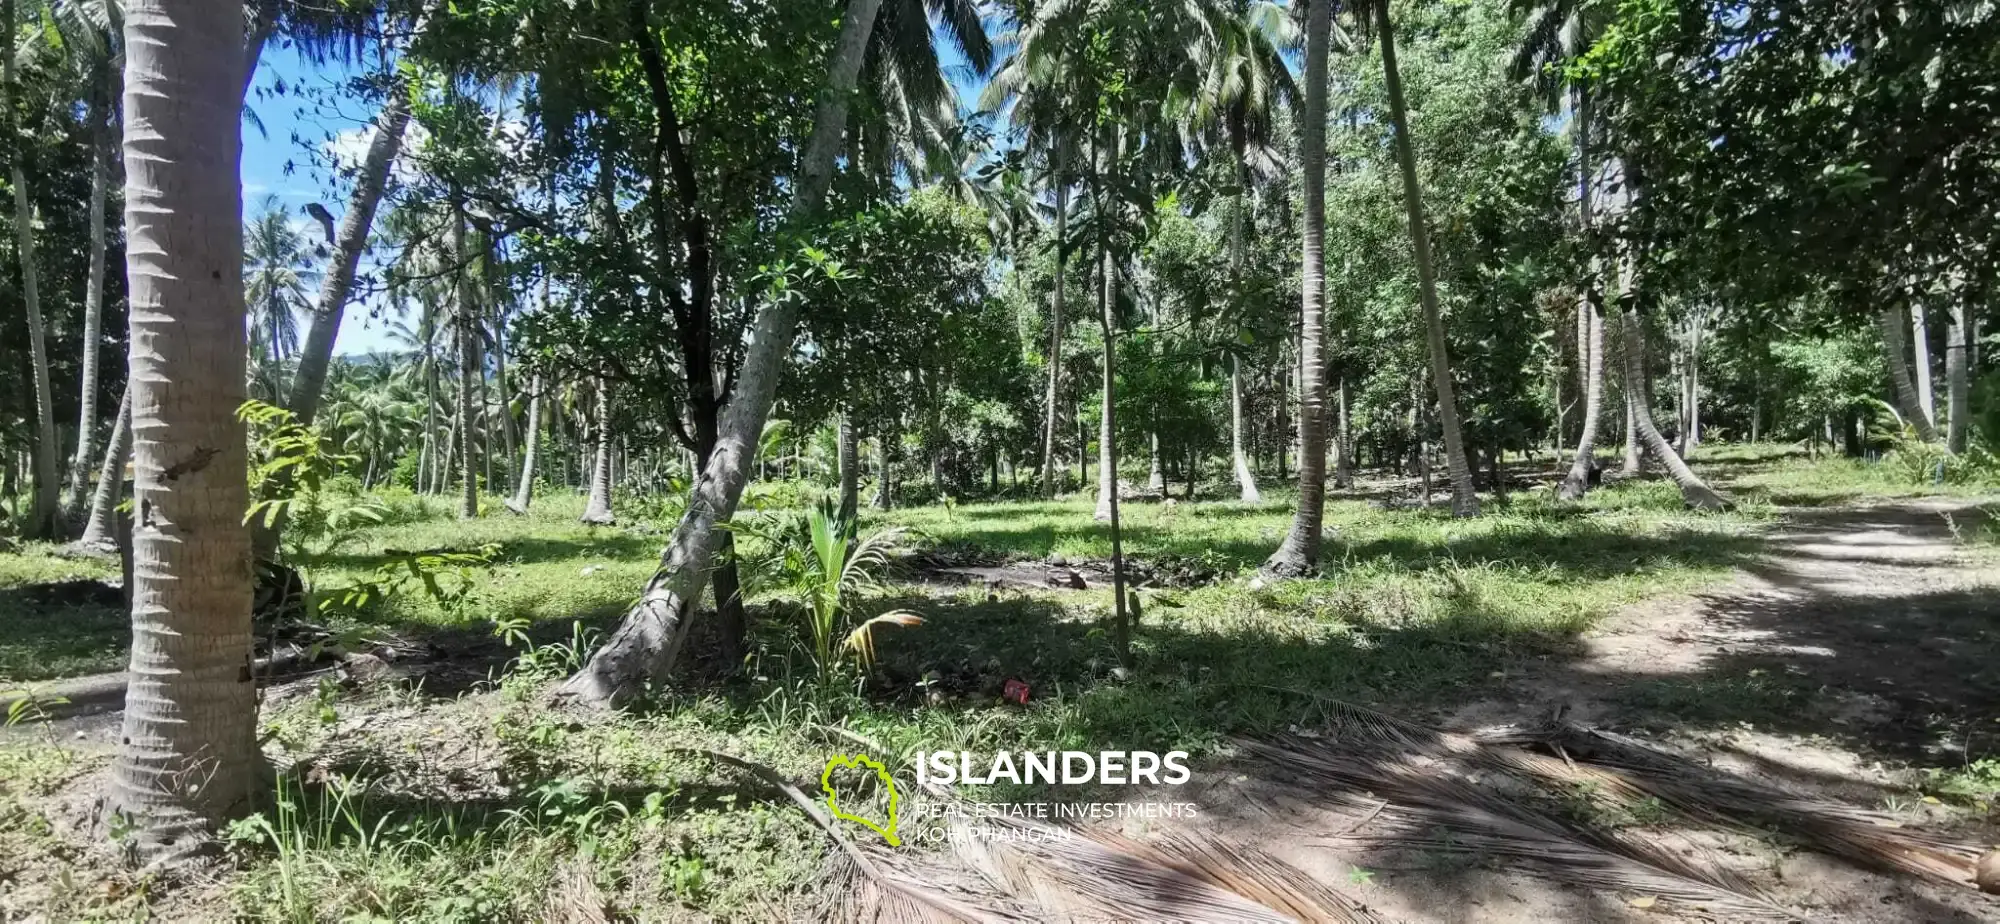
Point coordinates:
pixel 857 762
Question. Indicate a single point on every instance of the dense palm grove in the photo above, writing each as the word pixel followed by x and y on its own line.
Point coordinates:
pixel 912 251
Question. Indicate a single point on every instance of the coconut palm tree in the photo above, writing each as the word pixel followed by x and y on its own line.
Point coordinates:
pixel 277 269
pixel 1299 554
pixel 1464 502
pixel 191 702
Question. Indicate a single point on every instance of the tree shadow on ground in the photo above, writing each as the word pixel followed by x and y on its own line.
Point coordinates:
pixel 603 546
pixel 1912 678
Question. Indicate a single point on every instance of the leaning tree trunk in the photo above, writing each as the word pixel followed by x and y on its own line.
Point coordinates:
pixel 1957 382
pixel 598 509
pixel 645 645
pixel 337 287
pixel 1051 419
pixel 1920 342
pixel 850 468
pixel 1896 354
pixel 93 299
pixel 97 531
pixel 1299 555
pixel 524 490
pixel 1464 502
pixel 1632 332
pixel 188 756
pixel 43 512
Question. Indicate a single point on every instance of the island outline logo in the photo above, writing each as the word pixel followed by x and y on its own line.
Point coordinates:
pixel 861 762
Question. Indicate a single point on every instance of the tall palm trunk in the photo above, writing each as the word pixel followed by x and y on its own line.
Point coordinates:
pixel 42 516
pixel 97 531
pixel 93 296
pixel 1107 433
pixel 1051 419
pixel 1896 353
pixel 598 509
pixel 1299 555
pixel 470 370
pixel 850 467
pixel 1694 383
pixel 1246 480
pixel 648 641
pixel 1632 333
pixel 1464 502
pixel 188 756
pixel 1121 630
pixel 1920 342
pixel 1577 482
pixel 1343 440
pixel 524 489
pixel 1957 382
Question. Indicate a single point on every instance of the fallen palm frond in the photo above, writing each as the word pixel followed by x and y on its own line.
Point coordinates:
pixel 1099 875
pixel 1082 873
pixel 1641 770
pixel 1426 799
pixel 1249 872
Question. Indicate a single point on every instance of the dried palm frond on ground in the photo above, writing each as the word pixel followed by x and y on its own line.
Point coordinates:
pixel 1640 770
pixel 1436 809
pixel 1024 870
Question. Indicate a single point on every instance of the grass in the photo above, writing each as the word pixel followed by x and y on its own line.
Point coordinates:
pixel 415 804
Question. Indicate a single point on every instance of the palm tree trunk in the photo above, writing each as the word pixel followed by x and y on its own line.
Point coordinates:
pixel 1896 354
pixel 1464 502
pixel 1694 383
pixel 1107 435
pixel 524 489
pixel 1920 341
pixel 42 518
pixel 502 401
pixel 110 482
pixel 1052 419
pixel 1299 554
pixel 1343 440
pixel 191 702
pixel 93 298
pixel 1633 461
pixel 1246 480
pixel 1632 331
pixel 885 493
pixel 470 369
pixel 1121 631
pixel 850 468
pixel 1577 482
pixel 598 509
pixel 1957 382
pixel 648 641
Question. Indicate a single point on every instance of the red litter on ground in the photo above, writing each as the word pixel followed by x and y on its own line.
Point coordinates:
pixel 1015 690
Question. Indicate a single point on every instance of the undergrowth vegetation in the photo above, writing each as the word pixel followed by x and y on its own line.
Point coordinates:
pixel 452 792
